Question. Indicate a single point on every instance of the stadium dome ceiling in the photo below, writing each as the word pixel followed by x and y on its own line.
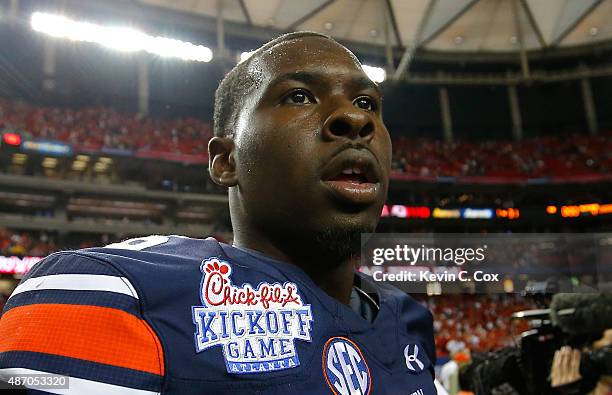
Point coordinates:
pixel 480 26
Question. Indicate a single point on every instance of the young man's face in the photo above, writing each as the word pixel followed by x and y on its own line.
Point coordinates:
pixel 312 152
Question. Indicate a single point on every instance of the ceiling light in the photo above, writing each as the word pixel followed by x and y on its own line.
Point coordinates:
pixel 11 139
pixel 120 38
pixel 328 25
pixel 79 165
pixel 49 163
pixel 513 40
pixel 373 33
pixel 19 159
pixel 593 31
pixel 459 40
pixel 100 168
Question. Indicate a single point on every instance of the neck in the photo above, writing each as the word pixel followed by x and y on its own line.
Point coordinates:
pixel 337 282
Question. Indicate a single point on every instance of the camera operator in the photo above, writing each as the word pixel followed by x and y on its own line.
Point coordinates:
pixel 586 369
pixel 567 352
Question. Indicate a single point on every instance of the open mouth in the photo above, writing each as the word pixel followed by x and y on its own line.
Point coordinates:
pixel 353 178
pixel 352 175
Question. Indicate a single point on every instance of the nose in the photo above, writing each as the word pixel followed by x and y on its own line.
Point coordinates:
pixel 349 122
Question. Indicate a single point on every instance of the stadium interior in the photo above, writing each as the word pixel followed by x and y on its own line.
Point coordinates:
pixel 500 113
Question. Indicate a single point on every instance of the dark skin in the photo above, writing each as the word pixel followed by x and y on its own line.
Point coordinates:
pixel 314 108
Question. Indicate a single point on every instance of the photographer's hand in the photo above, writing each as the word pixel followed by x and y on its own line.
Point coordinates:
pixel 565 367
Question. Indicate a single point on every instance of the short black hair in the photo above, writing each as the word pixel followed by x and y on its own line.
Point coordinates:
pixel 238 83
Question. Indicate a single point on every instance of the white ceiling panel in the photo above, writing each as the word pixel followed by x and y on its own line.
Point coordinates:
pixel 501 27
pixel 595 27
pixel 504 34
pixel 231 8
pixel 571 11
pixel 468 32
pixel 451 25
pixel 337 19
pixel 530 36
pixel 443 12
pixel 262 12
pixel 369 21
pixel 547 14
pixel 291 11
pixel 409 15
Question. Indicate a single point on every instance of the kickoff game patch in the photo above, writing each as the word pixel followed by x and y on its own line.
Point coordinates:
pixel 256 327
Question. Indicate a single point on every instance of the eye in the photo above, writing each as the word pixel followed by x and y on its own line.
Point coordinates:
pixel 299 97
pixel 365 103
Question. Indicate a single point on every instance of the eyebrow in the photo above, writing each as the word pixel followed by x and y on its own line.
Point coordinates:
pixel 357 81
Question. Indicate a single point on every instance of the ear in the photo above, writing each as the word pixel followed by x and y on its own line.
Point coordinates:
pixel 221 163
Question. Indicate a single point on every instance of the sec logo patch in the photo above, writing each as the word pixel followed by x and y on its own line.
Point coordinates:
pixel 345 369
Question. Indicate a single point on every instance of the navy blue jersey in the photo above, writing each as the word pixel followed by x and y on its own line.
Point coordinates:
pixel 175 315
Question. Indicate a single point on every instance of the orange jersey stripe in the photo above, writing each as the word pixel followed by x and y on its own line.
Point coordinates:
pixel 92 333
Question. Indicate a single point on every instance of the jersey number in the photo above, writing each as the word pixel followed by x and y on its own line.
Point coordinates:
pixel 139 243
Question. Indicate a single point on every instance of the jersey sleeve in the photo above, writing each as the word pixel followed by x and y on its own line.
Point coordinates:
pixel 78 316
pixel 428 336
pixel 419 323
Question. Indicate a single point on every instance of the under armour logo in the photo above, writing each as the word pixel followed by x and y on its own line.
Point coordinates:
pixel 412 361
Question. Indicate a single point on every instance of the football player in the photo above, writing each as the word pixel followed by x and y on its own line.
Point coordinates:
pixel 301 145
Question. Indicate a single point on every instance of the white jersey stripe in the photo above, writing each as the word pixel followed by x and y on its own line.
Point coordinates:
pixel 76 385
pixel 78 282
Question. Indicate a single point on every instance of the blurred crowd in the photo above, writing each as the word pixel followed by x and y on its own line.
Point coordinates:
pixel 98 127
pixel 94 128
pixel 25 244
pixel 532 157
pixel 477 323
pixel 38 244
